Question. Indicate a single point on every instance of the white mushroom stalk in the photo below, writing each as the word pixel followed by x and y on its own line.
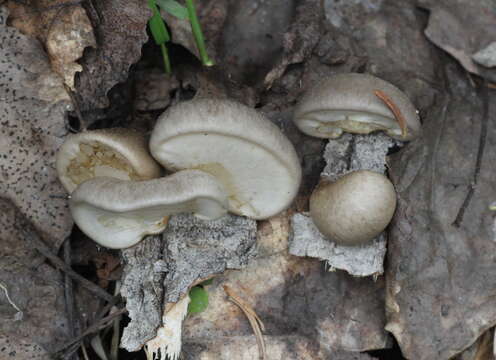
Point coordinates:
pixel 118 153
pixel 118 214
pixel 249 155
pixel 356 103
pixel 355 208
pixel 168 341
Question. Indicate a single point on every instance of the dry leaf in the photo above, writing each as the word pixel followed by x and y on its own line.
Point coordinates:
pixel 32 128
pixel 62 26
pixel 120 31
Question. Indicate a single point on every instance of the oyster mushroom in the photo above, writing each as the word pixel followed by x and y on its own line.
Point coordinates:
pixel 254 161
pixel 118 213
pixel 118 153
pixel 356 103
pixel 355 208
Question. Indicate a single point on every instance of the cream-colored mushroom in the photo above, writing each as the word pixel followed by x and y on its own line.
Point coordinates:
pixel 118 214
pixel 355 208
pixel 356 103
pixel 249 155
pixel 118 153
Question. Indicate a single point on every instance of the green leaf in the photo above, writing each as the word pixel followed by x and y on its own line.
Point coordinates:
pixel 199 300
pixel 207 282
pixel 157 25
pixel 174 8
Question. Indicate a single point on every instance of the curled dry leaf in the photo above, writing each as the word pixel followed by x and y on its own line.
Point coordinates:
pixel 62 26
pixel 463 31
pixel 32 128
pixel 120 33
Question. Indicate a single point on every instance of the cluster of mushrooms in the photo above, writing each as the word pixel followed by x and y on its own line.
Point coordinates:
pixel 225 157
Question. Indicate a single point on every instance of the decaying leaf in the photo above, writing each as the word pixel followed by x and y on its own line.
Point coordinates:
pixel 441 296
pixel 69 35
pixel 14 348
pixel 462 30
pixel 301 38
pixel 32 117
pixel 120 33
pixel 35 288
pixel 62 26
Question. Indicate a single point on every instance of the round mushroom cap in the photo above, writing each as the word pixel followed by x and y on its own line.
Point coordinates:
pixel 249 155
pixel 119 213
pixel 355 208
pixel 118 153
pixel 348 103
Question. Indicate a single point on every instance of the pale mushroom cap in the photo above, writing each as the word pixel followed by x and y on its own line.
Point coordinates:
pixel 255 162
pixel 354 209
pixel 347 102
pixel 119 153
pixel 118 213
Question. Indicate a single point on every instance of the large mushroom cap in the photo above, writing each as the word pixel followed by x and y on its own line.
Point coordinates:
pixel 354 209
pixel 348 103
pixel 118 213
pixel 248 154
pixel 118 153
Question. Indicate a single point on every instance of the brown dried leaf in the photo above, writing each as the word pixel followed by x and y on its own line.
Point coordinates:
pixel 462 30
pixel 120 33
pixel 442 247
pixel 14 348
pixel 61 25
pixel 35 288
pixel 32 128
pixel 69 35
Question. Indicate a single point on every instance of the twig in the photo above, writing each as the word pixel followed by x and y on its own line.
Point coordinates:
pixel 85 353
pixel 97 326
pixel 255 322
pixel 6 291
pixel 396 111
pixel 69 293
pixel 37 243
pixel 79 115
pixel 480 153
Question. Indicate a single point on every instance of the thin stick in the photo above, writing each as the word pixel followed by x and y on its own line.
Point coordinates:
pixel 37 243
pixel 97 326
pixel 79 115
pixel 396 111
pixel 6 291
pixel 255 322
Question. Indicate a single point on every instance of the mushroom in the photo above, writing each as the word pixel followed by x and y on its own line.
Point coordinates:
pixel 356 103
pixel 118 153
pixel 254 161
pixel 355 208
pixel 118 213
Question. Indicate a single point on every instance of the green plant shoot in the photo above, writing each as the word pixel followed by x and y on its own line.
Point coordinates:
pixel 159 33
pixel 198 34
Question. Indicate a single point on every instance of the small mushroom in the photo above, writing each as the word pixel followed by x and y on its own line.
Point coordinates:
pixel 249 155
pixel 356 103
pixel 118 213
pixel 118 153
pixel 355 208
